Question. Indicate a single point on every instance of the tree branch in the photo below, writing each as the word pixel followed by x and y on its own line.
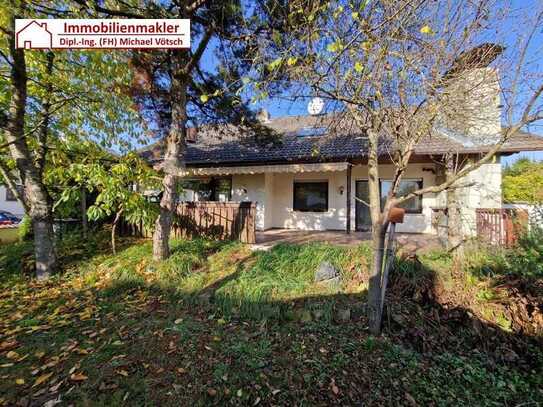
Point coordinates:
pixel 199 51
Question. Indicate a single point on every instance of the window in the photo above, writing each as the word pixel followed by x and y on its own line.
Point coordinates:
pixel 311 196
pixel 9 194
pixel 213 189
pixel 413 205
pixel 311 131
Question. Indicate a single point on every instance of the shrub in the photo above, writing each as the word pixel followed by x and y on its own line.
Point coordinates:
pixel 25 229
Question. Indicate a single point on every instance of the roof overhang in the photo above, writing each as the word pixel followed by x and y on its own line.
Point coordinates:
pixel 262 169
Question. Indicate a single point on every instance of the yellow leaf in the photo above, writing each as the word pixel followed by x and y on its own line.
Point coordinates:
pixel 78 377
pixel 292 61
pixel 204 98
pixel 41 379
pixel 178 321
pixel 122 372
pixel 358 67
pixel 20 381
pixel 426 29
pixel 12 355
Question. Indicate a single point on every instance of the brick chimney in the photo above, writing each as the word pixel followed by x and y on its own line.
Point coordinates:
pixel 192 133
pixel 472 106
pixel 263 116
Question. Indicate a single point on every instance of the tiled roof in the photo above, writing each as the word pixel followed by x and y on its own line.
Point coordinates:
pixel 229 145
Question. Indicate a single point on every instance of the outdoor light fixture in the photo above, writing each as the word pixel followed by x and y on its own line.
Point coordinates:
pixel 341 189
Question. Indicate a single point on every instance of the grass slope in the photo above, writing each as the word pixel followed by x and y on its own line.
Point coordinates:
pixel 219 325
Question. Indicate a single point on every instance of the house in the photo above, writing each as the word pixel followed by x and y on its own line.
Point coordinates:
pixel 34 36
pixel 305 176
pixel 9 203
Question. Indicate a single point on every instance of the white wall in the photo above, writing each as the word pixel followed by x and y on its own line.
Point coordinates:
pixel 284 216
pixel 11 206
pixel 251 188
pixel 486 192
pixel 273 195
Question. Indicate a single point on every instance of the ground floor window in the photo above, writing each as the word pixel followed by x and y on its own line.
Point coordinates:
pixel 212 189
pixel 10 196
pixel 413 205
pixel 311 196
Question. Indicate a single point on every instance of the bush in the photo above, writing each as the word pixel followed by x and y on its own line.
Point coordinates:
pixel 524 260
pixel 25 229
pixel 527 258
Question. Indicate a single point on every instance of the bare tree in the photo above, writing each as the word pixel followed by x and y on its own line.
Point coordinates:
pixel 404 72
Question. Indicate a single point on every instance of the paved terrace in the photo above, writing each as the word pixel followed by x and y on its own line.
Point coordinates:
pixel 411 242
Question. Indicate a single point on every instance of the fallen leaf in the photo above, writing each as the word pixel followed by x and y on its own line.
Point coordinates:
pixel 122 372
pixel 78 377
pixel 20 381
pixel 335 389
pixel 41 379
pixel 12 355
pixel 8 345
pixel 181 370
pixel 178 321
pixel 212 392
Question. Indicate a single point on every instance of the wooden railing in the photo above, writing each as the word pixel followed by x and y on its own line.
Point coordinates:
pixel 214 220
pixel 501 226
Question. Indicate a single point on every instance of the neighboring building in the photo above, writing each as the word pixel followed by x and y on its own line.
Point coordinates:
pixel 9 203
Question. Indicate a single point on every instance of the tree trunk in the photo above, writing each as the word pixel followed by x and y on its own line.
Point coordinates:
pixel 173 159
pixel 84 218
pixel 377 237
pixel 36 196
pixel 375 282
pixel 163 224
pixel 114 230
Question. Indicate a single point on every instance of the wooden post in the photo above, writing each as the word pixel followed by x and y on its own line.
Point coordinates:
pixel 395 215
pixel 349 170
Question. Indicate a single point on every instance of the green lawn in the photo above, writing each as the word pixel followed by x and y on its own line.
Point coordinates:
pixel 217 324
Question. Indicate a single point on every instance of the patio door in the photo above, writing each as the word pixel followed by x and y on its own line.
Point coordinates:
pixel 362 212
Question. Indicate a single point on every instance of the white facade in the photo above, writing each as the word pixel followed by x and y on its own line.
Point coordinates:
pixel 273 193
pixel 12 206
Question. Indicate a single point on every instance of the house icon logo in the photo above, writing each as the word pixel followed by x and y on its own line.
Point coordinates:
pixel 34 36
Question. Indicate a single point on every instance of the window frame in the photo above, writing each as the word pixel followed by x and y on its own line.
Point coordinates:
pixel 420 185
pixel 10 196
pixel 298 183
